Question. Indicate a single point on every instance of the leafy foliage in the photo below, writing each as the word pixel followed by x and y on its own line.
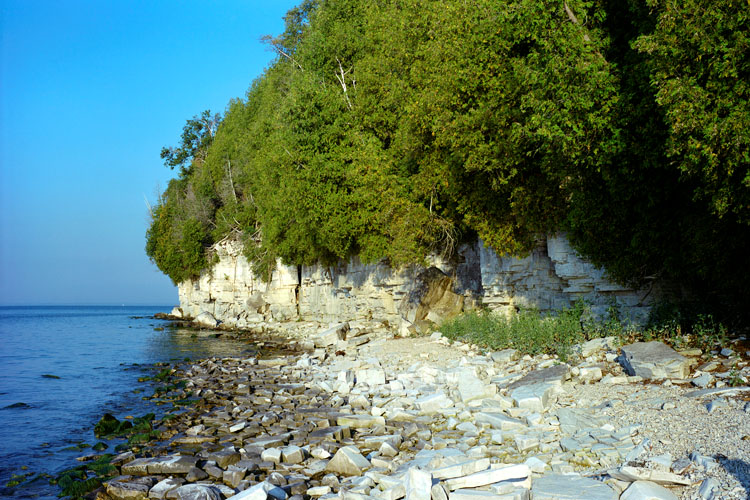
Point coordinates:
pixel 526 331
pixel 196 138
pixel 700 67
pixel 391 130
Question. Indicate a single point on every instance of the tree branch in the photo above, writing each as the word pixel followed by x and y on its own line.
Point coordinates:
pixel 231 182
pixel 342 81
pixel 574 20
pixel 277 47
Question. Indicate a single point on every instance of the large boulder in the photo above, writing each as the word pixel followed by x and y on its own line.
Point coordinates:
pixel 256 302
pixel 331 336
pixel 206 320
pixel 654 361
pixel 432 300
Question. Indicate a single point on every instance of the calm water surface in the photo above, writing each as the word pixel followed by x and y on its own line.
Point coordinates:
pixel 99 353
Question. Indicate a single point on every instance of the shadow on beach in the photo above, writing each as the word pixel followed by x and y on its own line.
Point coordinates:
pixel 740 470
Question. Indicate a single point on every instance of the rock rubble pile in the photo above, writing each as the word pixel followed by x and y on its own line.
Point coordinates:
pixel 360 415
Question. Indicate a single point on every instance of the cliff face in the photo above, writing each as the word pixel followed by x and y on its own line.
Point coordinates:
pixel 552 277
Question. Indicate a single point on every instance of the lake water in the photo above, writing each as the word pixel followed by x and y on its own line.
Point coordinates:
pixel 98 353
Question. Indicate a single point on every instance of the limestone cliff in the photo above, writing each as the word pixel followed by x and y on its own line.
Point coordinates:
pixel 552 277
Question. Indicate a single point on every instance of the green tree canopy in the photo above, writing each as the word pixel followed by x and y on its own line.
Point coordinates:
pixel 394 129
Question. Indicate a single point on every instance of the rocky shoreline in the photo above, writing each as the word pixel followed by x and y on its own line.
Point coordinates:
pixel 357 413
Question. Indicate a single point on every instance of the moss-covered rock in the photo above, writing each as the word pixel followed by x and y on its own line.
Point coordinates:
pixel 108 425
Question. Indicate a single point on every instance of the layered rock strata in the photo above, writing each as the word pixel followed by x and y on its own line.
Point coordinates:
pixel 551 277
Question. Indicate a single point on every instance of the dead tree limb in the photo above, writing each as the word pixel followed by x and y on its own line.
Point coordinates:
pixel 231 182
pixel 341 77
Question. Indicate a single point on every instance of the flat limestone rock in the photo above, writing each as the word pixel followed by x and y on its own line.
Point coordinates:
pixel 371 376
pixel 646 490
pixel 471 388
pixel 375 442
pixel 196 439
pixel 504 356
pixel 479 495
pixel 195 492
pixel 359 421
pixel 268 442
pixel 627 473
pixel 335 432
pixel 318 491
pixel 418 484
pixel 717 391
pixel 348 461
pixel 557 373
pixel 292 455
pixel 520 471
pixel 437 492
pixel 173 464
pixel 654 360
pixel 260 491
pixel 233 476
pixel 137 467
pixel 224 458
pixel 127 491
pixel 433 402
pixel 573 420
pixel 164 486
pixel 499 421
pixel 461 469
pixel 535 397
pixel 570 487
pixel 331 336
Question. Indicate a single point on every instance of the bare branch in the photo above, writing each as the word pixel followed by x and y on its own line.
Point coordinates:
pixel 574 20
pixel 279 50
pixel 342 80
pixel 231 182
pixel 299 165
pixel 148 205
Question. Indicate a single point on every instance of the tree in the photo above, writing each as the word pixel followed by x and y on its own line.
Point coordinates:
pixel 196 138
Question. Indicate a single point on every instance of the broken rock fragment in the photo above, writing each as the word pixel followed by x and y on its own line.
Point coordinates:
pixel 348 461
pixel 570 487
pixel 654 360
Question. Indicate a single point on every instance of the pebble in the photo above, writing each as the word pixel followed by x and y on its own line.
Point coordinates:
pixel 716 404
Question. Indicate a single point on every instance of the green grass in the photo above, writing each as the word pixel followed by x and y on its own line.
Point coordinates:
pixel 531 332
pixel 527 331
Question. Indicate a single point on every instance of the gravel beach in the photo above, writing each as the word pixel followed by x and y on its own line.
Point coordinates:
pixel 357 413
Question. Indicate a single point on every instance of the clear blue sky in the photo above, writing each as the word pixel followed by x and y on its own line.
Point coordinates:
pixel 90 91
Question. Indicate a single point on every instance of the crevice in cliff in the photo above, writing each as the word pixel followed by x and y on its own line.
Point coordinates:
pixel 298 289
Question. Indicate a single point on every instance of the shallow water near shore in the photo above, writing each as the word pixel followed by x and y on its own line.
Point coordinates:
pixel 62 368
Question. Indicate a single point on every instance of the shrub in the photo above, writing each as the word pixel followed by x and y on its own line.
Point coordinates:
pixel 528 331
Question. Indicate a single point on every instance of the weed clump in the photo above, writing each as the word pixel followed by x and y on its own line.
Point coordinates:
pixel 531 332
pixel 528 331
